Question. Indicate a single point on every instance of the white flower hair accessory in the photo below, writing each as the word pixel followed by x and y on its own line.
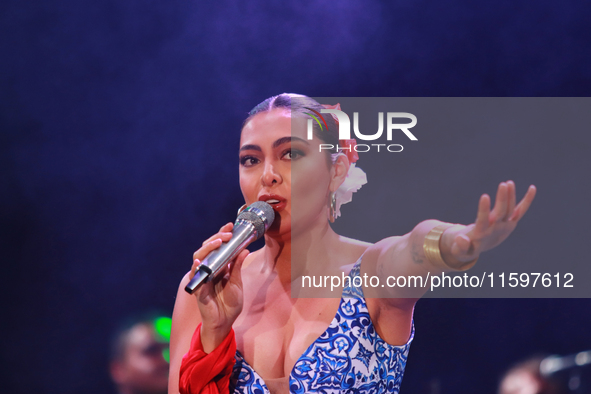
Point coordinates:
pixel 355 176
pixel 353 182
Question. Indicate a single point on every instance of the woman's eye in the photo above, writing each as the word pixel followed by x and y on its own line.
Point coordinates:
pixel 292 154
pixel 248 161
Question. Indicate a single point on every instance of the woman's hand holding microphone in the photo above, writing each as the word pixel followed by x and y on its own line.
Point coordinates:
pixel 220 298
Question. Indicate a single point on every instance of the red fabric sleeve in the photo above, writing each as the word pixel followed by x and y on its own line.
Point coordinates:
pixel 203 373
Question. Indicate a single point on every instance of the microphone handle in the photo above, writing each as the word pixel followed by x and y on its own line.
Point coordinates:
pixel 243 234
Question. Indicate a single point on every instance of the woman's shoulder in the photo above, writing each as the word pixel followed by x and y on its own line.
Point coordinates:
pixel 352 245
pixel 350 251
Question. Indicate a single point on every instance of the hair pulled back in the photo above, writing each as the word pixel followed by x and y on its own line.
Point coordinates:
pixel 299 104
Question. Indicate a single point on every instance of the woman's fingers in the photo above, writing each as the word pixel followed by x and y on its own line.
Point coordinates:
pixel 196 264
pixel 482 217
pixel 207 247
pixel 225 237
pixel 492 227
pixel 524 204
pixel 225 229
pixel 501 202
pixel 505 208
pixel 511 195
pixel 464 243
pixel 223 292
pixel 214 242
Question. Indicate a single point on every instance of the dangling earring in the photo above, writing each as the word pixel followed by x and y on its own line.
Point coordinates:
pixel 333 207
pixel 242 208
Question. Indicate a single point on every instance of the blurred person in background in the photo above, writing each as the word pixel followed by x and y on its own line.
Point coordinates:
pixel 525 378
pixel 140 355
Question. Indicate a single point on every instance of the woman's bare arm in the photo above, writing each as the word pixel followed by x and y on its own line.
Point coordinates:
pixel 459 245
pixel 216 304
pixel 185 319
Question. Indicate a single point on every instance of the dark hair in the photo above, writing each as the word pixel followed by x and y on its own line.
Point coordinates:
pixel 300 104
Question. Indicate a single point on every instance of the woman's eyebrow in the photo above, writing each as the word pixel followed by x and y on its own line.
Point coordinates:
pixel 250 147
pixel 288 139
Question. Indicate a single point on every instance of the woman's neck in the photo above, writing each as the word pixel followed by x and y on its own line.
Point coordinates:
pixel 294 255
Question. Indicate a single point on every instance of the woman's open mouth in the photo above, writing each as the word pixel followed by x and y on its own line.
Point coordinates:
pixel 277 202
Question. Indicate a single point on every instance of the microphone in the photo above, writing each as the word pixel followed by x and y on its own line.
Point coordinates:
pixel 250 225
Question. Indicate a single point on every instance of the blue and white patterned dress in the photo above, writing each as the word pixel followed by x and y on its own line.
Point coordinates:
pixel 349 357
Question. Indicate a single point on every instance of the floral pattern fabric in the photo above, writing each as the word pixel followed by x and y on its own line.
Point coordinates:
pixel 349 357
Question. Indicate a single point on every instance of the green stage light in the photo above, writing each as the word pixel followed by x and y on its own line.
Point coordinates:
pixel 162 327
pixel 166 354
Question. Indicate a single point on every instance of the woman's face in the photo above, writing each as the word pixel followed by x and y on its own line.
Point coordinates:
pixel 279 165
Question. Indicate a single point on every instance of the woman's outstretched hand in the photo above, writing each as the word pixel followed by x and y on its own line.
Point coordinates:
pixel 491 227
pixel 220 298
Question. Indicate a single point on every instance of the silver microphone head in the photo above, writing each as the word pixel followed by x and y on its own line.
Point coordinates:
pixel 260 215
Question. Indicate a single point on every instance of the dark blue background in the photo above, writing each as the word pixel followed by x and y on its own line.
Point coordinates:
pixel 119 130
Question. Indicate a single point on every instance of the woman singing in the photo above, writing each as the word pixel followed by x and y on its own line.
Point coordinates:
pixel 244 333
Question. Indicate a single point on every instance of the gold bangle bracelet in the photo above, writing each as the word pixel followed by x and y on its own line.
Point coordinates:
pixel 433 251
